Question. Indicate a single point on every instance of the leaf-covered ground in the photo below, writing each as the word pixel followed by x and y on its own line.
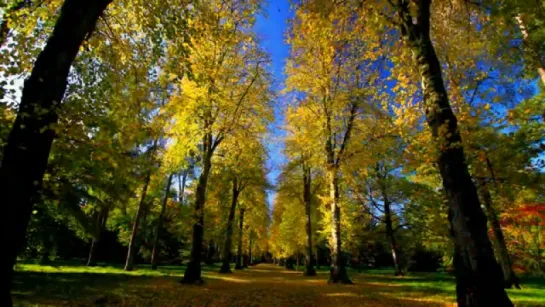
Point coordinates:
pixel 261 285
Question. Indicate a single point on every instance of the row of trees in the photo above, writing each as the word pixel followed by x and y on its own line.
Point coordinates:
pixel 166 105
pixel 394 127
pixel 404 115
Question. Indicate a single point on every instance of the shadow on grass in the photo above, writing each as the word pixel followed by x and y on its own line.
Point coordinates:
pixel 73 283
pixel 48 288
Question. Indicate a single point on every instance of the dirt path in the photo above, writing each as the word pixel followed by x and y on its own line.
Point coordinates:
pixel 271 285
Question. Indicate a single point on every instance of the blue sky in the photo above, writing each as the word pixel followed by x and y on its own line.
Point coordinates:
pixel 271 27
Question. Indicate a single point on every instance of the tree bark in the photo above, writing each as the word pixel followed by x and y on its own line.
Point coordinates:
pixel 250 261
pixel 337 272
pixel 509 277
pixel 192 273
pixel 307 198
pixel 478 275
pixel 239 263
pixel 159 224
pixel 29 143
pixel 226 260
pixel 129 263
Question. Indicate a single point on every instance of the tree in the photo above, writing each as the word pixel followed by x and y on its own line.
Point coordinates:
pixel 380 192
pixel 129 263
pixel 307 198
pixel 25 155
pixel 100 224
pixel 477 272
pixel 159 224
pixel 256 217
pixel 226 256
pixel 329 66
pixel 228 92
pixel 239 262
pixel 243 162
pixel 518 19
pixel 301 169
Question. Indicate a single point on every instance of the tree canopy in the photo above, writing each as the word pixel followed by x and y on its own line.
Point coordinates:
pixel 412 136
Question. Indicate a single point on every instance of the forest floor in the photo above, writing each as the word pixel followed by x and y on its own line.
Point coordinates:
pixel 261 285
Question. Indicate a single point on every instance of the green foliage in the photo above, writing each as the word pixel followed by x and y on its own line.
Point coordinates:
pixel 163 87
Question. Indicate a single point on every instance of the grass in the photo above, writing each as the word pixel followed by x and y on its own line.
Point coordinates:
pixel 263 285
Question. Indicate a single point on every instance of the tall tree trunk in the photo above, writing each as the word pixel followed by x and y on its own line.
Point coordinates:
pixel 102 217
pixel 509 277
pixel 250 261
pixel 94 241
pixel 210 252
pixel 478 275
pixel 338 273
pixel 534 49
pixel 307 198
pixel 159 224
pixel 25 155
pixel 239 263
pixel 129 263
pixel 382 176
pixel 192 273
pixel 91 259
pixel 391 237
pixel 226 260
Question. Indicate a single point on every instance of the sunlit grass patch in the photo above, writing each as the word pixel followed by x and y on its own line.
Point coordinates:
pixel 346 294
pixel 227 278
